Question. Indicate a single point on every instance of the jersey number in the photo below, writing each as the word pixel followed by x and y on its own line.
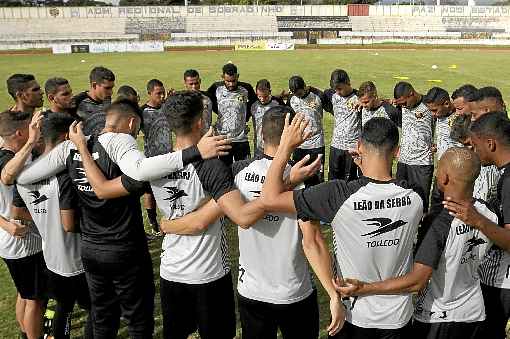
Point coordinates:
pixel 508 272
pixel 241 273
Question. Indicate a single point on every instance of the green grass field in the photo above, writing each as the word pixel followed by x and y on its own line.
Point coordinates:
pixel 481 67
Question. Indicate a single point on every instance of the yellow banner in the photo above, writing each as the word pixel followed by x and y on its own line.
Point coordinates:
pixel 260 45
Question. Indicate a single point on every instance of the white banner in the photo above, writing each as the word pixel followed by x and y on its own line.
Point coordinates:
pixel 114 46
pixel 279 46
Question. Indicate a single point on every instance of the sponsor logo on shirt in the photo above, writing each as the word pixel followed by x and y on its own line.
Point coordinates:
pixel 256 194
pixel 384 225
pixel 38 197
pixel 174 193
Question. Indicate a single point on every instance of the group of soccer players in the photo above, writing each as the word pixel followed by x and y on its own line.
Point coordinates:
pixel 71 223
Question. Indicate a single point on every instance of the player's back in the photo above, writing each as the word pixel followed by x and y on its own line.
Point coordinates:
pixel 272 264
pixel 200 258
pixel 374 232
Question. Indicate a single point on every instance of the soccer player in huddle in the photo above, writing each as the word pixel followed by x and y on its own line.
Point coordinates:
pixel 488 99
pixel 20 244
pixel 264 102
pixel 129 93
pixel 450 304
pixel 490 137
pixel 26 92
pixel 157 138
pixel 374 221
pixel 309 101
pixel 341 101
pixel 463 99
pixel 192 82
pixel 60 96
pixel 372 106
pixel 232 101
pixel 91 104
pixel 416 160
pixel 52 204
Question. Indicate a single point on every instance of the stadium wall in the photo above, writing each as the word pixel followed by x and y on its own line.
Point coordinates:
pixel 42 27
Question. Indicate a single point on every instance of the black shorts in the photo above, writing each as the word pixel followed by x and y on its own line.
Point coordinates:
pixel 341 165
pixel 314 153
pixel 69 289
pixel 29 275
pixel 419 176
pixel 261 320
pixel 350 331
pixel 447 330
pixel 239 151
pixel 209 307
pixel 497 310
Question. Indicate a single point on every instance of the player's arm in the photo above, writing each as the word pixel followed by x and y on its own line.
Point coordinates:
pixel 317 253
pixel 466 212
pixel 123 150
pixel 252 98
pixel 195 222
pixel 18 212
pixel 428 257
pixel 14 228
pixel 412 282
pixel 211 93
pixel 103 188
pixel 275 196
pixel 13 167
pixel 68 204
pixel 46 165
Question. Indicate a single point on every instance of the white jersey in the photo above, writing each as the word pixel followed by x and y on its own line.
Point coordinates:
pixel 272 264
pixel 12 247
pixel 486 183
pixel 495 268
pixel 375 224
pixel 44 201
pixel 201 258
pixel 454 250
pixel 311 107
pixel 386 110
pixel 257 113
pixel 347 129
pixel 443 140
pixel 416 142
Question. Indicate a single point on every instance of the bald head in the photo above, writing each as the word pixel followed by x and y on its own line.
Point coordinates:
pixel 459 167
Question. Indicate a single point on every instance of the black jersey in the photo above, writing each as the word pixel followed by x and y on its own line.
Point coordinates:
pixel 91 112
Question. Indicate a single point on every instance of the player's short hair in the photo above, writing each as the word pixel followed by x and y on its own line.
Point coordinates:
pixel 367 88
pixel 273 123
pixel 436 95
pixel 461 163
pixel 126 91
pixel 296 83
pixel 263 85
pixel 17 83
pixel 101 74
pixel 402 89
pixel 460 129
pixel 339 77
pixel 489 92
pixel 493 125
pixel 192 73
pixel 182 110
pixel 125 108
pixel 54 125
pixel 229 69
pixel 52 84
pixel 467 91
pixel 12 121
pixel 380 134
pixel 151 84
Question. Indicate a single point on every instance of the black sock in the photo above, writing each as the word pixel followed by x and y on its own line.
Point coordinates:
pixel 152 215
